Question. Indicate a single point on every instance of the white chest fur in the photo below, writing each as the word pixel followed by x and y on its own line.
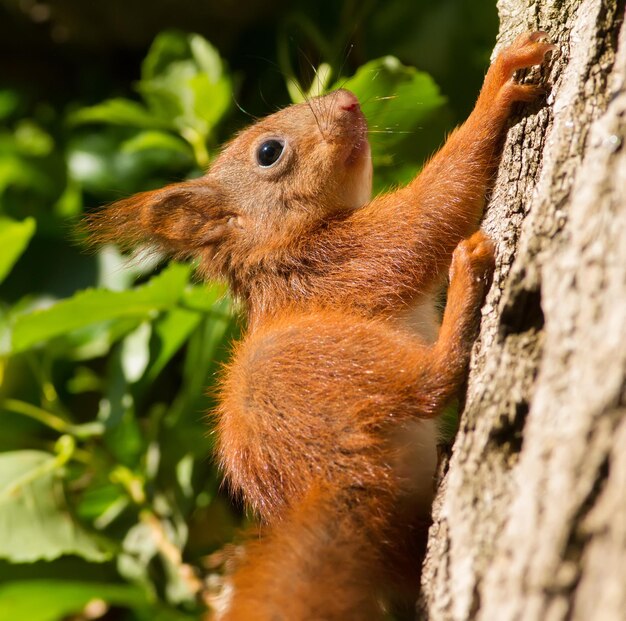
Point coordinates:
pixel 422 317
pixel 416 442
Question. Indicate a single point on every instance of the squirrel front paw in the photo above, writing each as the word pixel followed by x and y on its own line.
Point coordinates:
pixel 527 50
pixel 470 276
pixel 473 262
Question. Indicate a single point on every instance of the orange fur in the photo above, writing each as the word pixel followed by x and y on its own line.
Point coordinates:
pixel 329 374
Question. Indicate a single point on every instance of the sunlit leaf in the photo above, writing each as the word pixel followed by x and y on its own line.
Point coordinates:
pixel 395 98
pixel 167 47
pixel 96 305
pixel 135 353
pixel 93 341
pixel 84 380
pixel 34 514
pixel 206 349
pixel 122 435
pixel 211 100
pixel 51 600
pixel 183 80
pixel 153 139
pixel 184 472
pixel 14 238
pixel 18 172
pixel 138 549
pixel 207 57
pixel 98 162
pixel 70 203
pixel 119 112
pixel 97 500
pixel 32 140
pixel 171 331
pixel 205 297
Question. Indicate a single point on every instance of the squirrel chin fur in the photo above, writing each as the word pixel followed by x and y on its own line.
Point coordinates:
pixel 326 417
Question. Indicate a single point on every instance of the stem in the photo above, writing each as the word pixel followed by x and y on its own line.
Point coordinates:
pixel 83 457
pixel 171 552
pixel 198 144
pixel 37 413
pixel 132 484
pixel 42 372
pixel 53 421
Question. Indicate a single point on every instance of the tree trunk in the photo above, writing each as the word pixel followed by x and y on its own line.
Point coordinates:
pixel 530 518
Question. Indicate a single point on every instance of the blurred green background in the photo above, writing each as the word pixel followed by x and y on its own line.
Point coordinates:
pixel 110 504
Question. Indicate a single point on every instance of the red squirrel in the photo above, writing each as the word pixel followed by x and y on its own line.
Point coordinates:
pixel 326 420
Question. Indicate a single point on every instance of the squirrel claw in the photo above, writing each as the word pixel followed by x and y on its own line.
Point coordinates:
pixel 538 35
pixel 527 50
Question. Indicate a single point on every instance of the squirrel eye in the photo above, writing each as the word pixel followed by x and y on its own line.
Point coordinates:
pixel 269 152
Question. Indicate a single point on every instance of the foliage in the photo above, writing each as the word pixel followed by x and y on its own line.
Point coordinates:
pixel 107 490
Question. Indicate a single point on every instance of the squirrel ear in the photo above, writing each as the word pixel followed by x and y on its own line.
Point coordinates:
pixel 179 218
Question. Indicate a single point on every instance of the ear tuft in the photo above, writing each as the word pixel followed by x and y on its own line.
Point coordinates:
pixel 179 219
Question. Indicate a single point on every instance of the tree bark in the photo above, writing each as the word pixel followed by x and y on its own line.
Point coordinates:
pixel 530 517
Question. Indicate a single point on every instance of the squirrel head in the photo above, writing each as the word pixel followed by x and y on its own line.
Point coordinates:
pixel 285 174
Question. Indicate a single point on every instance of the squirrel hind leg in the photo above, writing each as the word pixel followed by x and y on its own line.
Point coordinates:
pixel 285 418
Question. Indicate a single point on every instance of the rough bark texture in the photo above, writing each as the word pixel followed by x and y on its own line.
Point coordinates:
pixel 530 518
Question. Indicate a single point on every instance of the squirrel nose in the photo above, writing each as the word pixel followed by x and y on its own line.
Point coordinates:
pixel 347 101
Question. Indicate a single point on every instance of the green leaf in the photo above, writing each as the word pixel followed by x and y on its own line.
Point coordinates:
pixel 93 341
pixel 70 203
pixel 14 237
pixel 170 333
pixel 32 140
pixel 204 298
pixel 34 514
pixel 101 503
pixel 153 139
pixel 183 80
pixel 138 549
pixel 141 546
pixel 135 352
pixel 123 435
pixel 211 100
pixel 395 98
pixel 399 102
pixel 188 96
pixel 119 112
pixel 51 600
pixel 167 47
pixel 96 305
pixel 18 172
pixel 207 57
pixel 84 380
pixel 204 353
pixel 184 473
pixel 97 161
